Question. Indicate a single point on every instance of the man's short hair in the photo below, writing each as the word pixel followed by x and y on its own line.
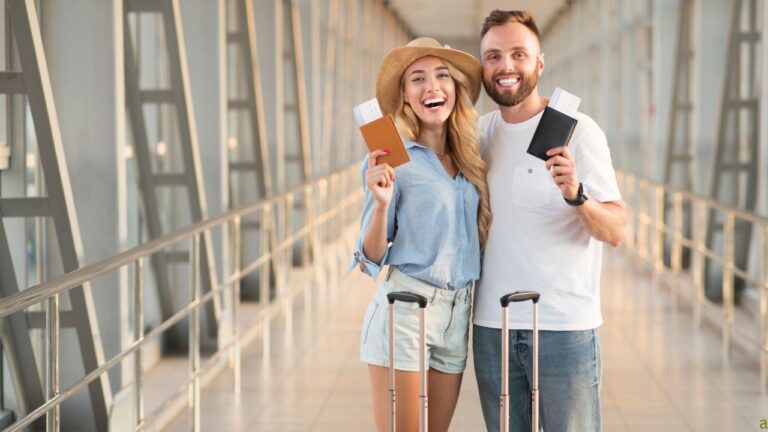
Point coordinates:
pixel 500 17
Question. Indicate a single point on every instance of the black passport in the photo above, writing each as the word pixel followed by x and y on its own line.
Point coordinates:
pixel 554 130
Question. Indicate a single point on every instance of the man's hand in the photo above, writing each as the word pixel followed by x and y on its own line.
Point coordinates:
pixel 603 220
pixel 562 167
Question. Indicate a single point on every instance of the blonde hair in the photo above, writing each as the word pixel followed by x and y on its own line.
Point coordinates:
pixel 461 145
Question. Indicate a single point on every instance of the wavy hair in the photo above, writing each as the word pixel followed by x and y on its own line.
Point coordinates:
pixel 462 144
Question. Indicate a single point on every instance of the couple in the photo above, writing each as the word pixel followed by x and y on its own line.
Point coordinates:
pixel 430 221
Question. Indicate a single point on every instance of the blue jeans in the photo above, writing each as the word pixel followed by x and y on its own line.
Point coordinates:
pixel 569 378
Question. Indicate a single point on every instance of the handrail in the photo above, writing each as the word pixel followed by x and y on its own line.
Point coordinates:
pixel 693 196
pixel 37 293
pixel 49 290
pixel 650 228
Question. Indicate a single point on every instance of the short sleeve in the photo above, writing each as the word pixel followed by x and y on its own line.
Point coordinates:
pixel 593 162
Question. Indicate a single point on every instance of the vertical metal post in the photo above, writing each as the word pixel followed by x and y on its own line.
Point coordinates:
pixel 265 294
pixel 764 311
pixel 324 205
pixel 658 227
pixel 423 396
pixel 288 224
pixel 266 249
pixel 676 251
pixel 392 392
pixel 504 402
pixel 535 390
pixel 237 265
pixel 138 334
pixel 52 361
pixel 309 221
pixel 677 247
pixel 728 298
pixel 278 254
pixel 700 211
pixel 2 378
pixel 194 332
pixel 265 333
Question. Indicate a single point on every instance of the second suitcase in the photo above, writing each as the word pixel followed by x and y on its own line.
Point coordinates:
pixel 515 297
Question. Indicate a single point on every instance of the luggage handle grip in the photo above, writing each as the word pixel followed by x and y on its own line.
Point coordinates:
pixel 407 297
pixel 519 296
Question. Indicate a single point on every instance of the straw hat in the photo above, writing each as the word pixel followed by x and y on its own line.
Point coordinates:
pixel 397 61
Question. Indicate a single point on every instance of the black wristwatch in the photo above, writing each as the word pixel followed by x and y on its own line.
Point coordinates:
pixel 581 197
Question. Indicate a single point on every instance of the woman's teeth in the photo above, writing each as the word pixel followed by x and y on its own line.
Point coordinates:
pixel 431 103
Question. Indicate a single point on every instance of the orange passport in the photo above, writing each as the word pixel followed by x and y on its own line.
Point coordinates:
pixel 382 134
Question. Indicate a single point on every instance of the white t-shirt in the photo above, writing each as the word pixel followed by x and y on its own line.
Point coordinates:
pixel 537 241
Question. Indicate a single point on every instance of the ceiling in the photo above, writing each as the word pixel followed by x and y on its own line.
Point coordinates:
pixel 461 20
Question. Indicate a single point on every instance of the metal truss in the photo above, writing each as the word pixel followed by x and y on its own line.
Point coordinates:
pixel 294 119
pixel 736 157
pixel 190 177
pixel 248 109
pixel 680 149
pixel 34 82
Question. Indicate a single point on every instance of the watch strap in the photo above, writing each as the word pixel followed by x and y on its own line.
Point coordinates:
pixel 581 198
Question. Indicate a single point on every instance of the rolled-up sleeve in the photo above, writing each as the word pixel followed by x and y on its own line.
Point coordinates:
pixel 367 266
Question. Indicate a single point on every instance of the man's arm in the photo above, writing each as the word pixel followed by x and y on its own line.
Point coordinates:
pixel 604 221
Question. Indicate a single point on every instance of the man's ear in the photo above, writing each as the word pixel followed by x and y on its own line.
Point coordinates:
pixel 540 63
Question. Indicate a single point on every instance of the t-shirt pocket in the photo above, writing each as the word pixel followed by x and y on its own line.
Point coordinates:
pixel 530 187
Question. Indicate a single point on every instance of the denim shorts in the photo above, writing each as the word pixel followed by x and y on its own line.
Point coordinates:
pixel 447 326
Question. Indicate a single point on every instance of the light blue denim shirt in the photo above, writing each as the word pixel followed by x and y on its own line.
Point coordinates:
pixel 435 239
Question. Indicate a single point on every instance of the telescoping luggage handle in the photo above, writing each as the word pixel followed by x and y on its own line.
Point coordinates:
pixel 408 297
pixel 515 297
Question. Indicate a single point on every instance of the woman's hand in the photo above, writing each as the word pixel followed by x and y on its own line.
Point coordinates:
pixel 380 179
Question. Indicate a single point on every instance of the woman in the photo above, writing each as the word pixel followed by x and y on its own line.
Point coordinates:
pixel 428 220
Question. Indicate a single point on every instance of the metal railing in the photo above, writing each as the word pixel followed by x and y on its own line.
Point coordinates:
pixel 335 195
pixel 648 201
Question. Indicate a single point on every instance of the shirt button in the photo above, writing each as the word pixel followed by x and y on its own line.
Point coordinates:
pixel 530 171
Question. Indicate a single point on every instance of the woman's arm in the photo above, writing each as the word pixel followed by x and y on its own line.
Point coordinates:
pixel 379 179
pixel 375 240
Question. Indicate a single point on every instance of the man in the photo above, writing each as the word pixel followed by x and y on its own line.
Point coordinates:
pixel 550 220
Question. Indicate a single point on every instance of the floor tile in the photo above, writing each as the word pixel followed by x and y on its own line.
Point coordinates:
pixel 659 372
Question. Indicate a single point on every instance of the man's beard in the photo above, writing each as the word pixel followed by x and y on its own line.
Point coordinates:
pixel 528 82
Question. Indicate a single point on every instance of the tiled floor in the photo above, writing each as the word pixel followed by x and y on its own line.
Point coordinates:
pixel 659 373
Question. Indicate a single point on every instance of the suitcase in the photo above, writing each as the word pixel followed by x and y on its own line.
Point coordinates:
pixel 422 301
pixel 515 297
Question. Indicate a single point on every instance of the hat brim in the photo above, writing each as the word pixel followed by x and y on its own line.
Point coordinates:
pixel 397 61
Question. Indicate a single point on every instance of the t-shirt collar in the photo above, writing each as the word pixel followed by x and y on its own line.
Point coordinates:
pixel 527 124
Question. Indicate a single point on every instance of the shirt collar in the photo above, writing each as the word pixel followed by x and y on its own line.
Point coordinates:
pixel 408 143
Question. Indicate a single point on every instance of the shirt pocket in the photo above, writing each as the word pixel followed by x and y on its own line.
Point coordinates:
pixel 530 187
